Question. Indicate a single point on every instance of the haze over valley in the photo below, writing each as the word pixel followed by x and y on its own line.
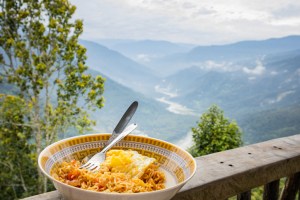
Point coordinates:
pixel 254 82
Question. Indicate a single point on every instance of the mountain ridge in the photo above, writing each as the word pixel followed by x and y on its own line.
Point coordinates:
pixel 118 67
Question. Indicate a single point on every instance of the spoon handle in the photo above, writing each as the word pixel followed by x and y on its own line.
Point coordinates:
pixel 123 121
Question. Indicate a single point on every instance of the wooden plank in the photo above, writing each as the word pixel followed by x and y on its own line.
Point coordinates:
pixel 54 195
pixel 226 174
pixel 271 190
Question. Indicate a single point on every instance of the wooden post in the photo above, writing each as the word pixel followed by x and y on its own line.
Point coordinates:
pixel 271 190
pixel 291 187
pixel 244 196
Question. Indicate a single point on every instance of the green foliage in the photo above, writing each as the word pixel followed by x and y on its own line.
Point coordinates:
pixel 17 162
pixel 41 57
pixel 214 133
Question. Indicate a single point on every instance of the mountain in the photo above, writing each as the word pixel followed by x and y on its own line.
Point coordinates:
pixel 260 83
pixel 148 52
pixel 244 50
pixel 151 116
pixel 110 43
pixel 119 68
pixel 144 51
pixel 270 124
pixel 246 79
pixel 244 90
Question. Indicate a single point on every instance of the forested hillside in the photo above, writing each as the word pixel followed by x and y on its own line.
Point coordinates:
pixel 270 124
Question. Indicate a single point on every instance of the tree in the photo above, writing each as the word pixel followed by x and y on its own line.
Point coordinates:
pixel 18 172
pixel 214 133
pixel 40 55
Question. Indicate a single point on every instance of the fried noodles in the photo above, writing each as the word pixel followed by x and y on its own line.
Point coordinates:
pixel 109 179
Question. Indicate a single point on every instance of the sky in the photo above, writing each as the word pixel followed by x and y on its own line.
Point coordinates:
pixel 202 22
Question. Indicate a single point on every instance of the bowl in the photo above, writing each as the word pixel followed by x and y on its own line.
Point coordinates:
pixel 177 164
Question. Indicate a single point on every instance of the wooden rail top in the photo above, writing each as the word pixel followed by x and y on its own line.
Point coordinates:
pixel 225 174
pixel 228 173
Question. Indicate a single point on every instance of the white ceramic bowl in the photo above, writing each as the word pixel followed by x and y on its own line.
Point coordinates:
pixel 178 165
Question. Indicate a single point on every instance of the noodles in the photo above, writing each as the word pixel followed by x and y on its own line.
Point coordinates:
pixel 122 172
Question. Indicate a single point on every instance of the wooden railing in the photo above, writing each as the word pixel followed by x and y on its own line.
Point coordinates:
pixel 235 172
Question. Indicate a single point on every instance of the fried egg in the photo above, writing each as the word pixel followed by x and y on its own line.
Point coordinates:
pixel 128 161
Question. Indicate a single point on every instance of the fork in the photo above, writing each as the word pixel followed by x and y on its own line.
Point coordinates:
pixel 123 121
pixel 94 163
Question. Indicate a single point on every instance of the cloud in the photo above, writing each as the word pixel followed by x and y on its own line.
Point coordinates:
pixel 224 66
pixel 258 70
pixel 219 66
pixel 286 11
pixel 273 73
pixel 297 72
pixel 193 21
pixel 143 57
pixel 280 97
pixel 167 91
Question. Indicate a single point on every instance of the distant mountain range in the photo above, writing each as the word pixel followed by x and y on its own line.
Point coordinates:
pixel 259 83
pixel 145 51
pixel 244 49
pixel 246 79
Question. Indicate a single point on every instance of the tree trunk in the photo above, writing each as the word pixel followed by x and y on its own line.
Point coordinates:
pixel 38 141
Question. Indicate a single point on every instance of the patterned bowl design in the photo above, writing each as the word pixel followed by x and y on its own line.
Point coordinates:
pixel 176 161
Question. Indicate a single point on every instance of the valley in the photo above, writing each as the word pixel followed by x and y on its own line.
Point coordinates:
pixel 249 79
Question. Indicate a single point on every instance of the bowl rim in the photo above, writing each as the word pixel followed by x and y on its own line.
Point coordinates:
pixel 178 185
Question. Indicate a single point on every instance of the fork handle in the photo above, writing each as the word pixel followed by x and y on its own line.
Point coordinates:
pixel 128 130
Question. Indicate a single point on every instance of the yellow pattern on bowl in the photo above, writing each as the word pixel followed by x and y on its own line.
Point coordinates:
pixel 178 165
